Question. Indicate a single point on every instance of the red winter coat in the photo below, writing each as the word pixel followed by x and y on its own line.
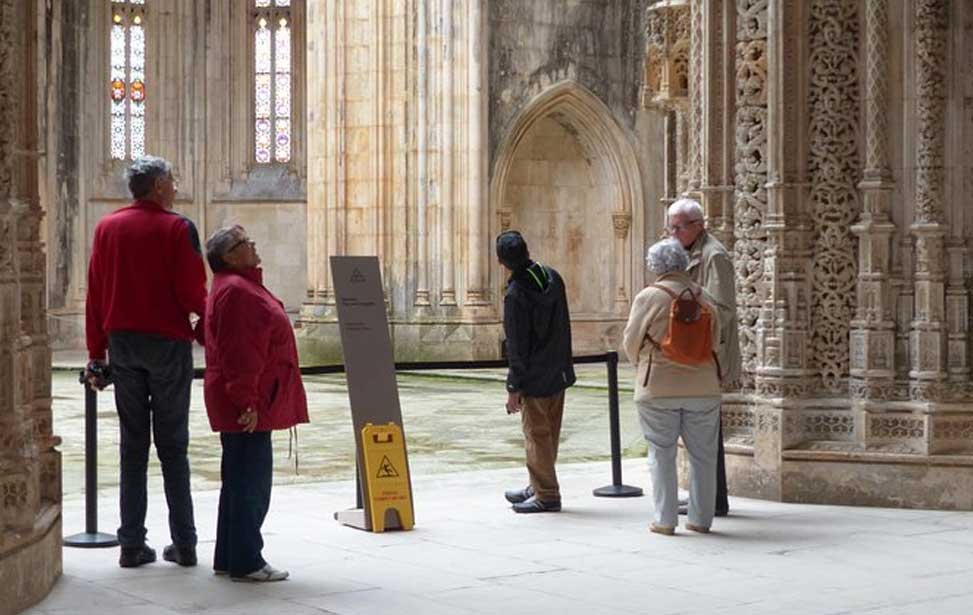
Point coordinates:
pixel 146 274
pixel 251 356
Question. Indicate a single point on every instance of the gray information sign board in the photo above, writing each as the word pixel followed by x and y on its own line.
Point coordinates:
pixel 369 362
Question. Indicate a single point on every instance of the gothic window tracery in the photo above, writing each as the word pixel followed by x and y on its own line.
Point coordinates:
pixel 127 88
pixel 272 99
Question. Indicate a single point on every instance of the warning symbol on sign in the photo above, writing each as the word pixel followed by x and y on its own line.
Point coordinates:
pixel 386 469
pixel 357 277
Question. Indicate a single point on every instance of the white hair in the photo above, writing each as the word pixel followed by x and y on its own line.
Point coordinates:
pixel 666 256
pixel 686 207
pixel 143 171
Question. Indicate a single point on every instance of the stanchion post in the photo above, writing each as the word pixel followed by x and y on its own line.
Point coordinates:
pixel 616 489
pixel 91 537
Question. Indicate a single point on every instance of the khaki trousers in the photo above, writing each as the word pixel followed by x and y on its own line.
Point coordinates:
pixel 542 433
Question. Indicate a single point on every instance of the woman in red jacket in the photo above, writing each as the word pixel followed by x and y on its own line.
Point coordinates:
pixel 252 386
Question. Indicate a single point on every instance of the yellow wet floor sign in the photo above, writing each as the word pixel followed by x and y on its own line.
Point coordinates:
pixel 388 475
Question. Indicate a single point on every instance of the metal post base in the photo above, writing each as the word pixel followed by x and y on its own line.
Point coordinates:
pixel 618 491
pixel 91 540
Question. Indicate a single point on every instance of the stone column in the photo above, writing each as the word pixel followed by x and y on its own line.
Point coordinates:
pixel 447 215
pixel 422 171
pixel 621 222
pixel 30 490
pixel 716 155
pixel 833 170
pixel 750 173
pixel 872 341
pixel 784 325
pixel 695 122
pixel 928 331
pixel 477 202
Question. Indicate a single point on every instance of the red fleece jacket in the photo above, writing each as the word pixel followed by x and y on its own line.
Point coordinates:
pixel 146 274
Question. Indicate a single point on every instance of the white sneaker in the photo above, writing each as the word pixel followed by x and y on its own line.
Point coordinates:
pixel 267 574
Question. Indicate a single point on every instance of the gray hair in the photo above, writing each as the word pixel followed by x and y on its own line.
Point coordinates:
pixel 219 244
pixel 141 175
pixel 667 256
pixel 686 207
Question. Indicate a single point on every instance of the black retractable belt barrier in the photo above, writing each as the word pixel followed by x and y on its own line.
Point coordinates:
pixel 91 537
pixel 616 489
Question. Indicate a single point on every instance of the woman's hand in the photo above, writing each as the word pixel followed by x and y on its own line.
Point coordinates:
pixel 248 418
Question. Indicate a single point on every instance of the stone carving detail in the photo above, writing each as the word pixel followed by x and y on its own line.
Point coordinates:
pixel 737 419
pixel 953 429
pixel 750 175
pixel 828 426
pixel 930 76
pixel 895 428
pixel 8 97
pixel 833 169
pixel 876 100
pixel 666 56
pixel 696 96
pixel 767 423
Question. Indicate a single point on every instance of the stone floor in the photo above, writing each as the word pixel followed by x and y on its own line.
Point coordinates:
pixel 470 554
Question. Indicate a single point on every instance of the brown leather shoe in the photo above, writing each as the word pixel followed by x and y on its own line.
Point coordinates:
pixel 662 529
pixel 697 528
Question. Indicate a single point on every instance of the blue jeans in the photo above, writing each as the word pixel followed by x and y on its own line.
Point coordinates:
pixel 247 474
pixel 152 376
pixel 697 421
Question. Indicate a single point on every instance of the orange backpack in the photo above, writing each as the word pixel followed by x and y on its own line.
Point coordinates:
pixel 689 339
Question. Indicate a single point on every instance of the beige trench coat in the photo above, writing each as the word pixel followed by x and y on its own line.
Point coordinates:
pixel 711 266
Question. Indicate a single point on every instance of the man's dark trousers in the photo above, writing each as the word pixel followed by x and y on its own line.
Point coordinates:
pixel 722 498
pixel 247 475
pixel 152 377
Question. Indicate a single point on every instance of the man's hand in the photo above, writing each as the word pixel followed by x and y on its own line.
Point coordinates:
pixel 96 374
pixel 248 418
pixel 515 402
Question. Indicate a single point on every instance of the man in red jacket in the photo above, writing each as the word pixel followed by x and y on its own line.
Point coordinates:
pixel 146 276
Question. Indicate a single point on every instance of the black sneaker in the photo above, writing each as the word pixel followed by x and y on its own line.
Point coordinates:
pixel 184 555
pixel 133 557
pixel 533 505
pixel 516 496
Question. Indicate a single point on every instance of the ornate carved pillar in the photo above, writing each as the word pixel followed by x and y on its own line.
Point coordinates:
pixel 30 490
pixel 716 153
pixel 833 169
pixel 695 107
pixel 783 328
pixel 928 331
pixel 750 173
pixel 477 200
pixel 872 341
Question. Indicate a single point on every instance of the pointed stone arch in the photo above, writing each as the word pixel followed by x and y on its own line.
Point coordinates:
pixel 565 149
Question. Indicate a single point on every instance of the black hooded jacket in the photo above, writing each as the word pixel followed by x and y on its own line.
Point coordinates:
pixel 538 330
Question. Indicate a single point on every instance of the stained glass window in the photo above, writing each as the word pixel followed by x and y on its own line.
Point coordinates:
pixel 272 81
pixel 127 79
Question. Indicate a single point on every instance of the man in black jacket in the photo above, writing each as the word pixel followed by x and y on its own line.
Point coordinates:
pixel 538 331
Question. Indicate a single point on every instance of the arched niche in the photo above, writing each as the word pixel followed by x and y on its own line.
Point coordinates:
pixel 566 176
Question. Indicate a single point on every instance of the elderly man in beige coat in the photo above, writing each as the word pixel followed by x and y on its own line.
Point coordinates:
pixel 675 398
pixel 711 267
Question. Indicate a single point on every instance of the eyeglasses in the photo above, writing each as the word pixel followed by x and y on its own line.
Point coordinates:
pixel 676 228
pixel 240 243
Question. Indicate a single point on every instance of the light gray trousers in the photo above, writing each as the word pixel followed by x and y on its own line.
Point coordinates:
pixel 697 420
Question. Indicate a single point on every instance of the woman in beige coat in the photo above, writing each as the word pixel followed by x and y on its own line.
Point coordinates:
pixel 674 399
